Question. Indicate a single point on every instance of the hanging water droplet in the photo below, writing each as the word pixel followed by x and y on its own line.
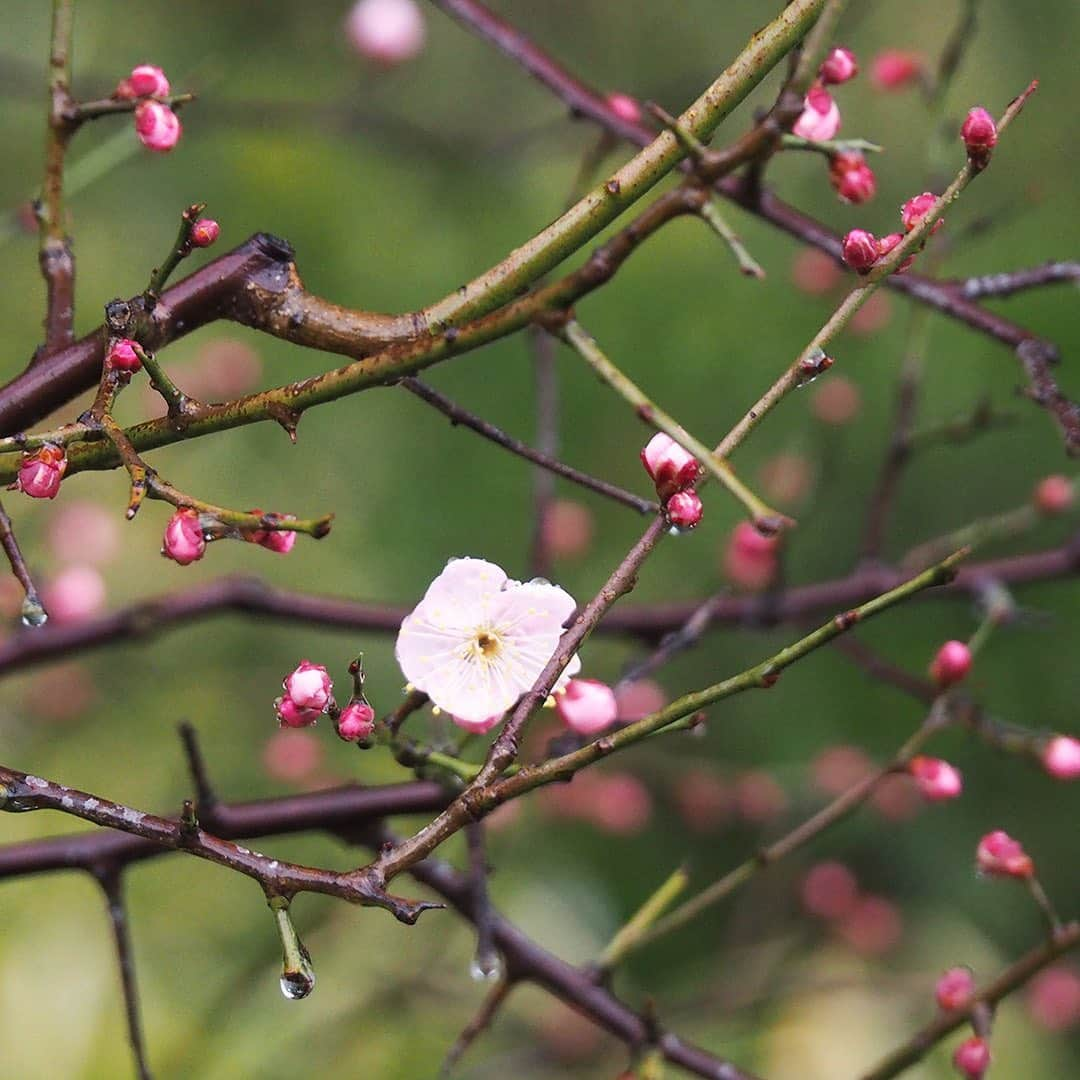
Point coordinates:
pixel 33 614
pixel 297 971
pixel 296 985
pixel 486 968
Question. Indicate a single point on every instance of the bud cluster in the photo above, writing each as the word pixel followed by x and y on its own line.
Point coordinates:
pixel 674 471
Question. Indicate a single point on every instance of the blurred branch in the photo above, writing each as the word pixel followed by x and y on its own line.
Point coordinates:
pixel 1006 284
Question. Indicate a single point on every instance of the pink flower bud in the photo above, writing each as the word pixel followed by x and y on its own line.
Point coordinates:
pixel 309 686
pixel 671 467
pixel 683 509
pixel 972 1058
pixel 40 473
pixel 937 779
pixel 894 69
pixel 1061 757
pixel 204 232
pixel 951 664
pixel 750 559
pixel 852 179
pixel 916 208
pixel 860 250
pixel 820 119
pixel 998 854
pixel 122 355
pixel 887 243
pixel 356 722
pixel 123 91
pixel 979 133
pixel 839 66
pixel 587 706
pixel 625 107
pixel 280 541
pixel 74 594
pixel 184 542
pixel 291 715
pixel 837 402
pixel 1054 998
pixel 148 81
pixel 829 891
pixel 1053 494
pixel 157 126
pixel 386 31
pixel 954 989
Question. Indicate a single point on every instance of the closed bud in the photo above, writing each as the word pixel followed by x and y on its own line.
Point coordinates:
pixel 972 1058
pixel 122 355
pixel 951 664
pixel 309 686
pixel 937 779
pixel 280 541
pixel 671 467
pixel 954 989
pixel 852 179
pixel 157 126
pixel 999 855
pixel 625 107
pixel 979 133
pixel 860 250
pixel 887 243
pixel 916 208
pixel 1053 494
pixel 839 66
pixel 820 119
pixel 683 509
pixel 356 722
pixel 204 232
pixel 587 706
pixel 40 473
pixel 1061 757
pixel 386 31
pixel 894 69
pixel 148 81
pixel 184 542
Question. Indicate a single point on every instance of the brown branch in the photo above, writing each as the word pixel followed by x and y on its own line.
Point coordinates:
pixel 480 1022
pixel 1007 284
pixel 33 612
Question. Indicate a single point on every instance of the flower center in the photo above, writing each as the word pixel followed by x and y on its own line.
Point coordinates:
pixel 486 645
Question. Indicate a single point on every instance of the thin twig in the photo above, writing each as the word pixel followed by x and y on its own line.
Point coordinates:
pixel 34 613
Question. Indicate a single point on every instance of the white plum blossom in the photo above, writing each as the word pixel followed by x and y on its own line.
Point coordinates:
pixel 478 640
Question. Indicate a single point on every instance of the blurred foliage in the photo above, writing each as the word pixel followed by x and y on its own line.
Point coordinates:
pixel 395 187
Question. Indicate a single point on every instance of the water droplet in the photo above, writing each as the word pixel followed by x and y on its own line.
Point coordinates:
pixel 297 971
pixel 486 968
pixel 33 614
pixel 296 985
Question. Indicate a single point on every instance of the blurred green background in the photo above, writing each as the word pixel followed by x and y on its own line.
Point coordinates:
pixel 395 186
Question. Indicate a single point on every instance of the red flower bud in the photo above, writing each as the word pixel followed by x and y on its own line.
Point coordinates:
pixel 820 119
pixel 157 126
pixel 954 989
pixel 916 208
pixel 184 542
pixel 860 250
pixel 671 467
pixel 148 81
pixel 979 133
pixel 887 243
pixel 587 706
pixel 1061 757
pixel 1000 855
pixel 839 66
pixel 1054 494
pixel 204 232
pixel 684 509
pixel 951 664
pixel 122 355
pixel 356 722
pixel 852 179
pixel 40 473
pixel 937 779
pixel 972 1058
pixel 894 69
pixel 625 107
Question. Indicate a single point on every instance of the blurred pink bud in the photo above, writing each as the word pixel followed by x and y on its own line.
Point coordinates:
pixel 1054 998
pixel 954 989
pixel 356 722
pixel 684 509
pixel 228 368
pixel 897 798
pixel 204 232
pixel 838 768
pixel 873 927
pixel 567 529
pixel 671 467
pixel 148 81
pixel 852 179
pixel 123 91
pixel 860 250
pixel 815 273
pixel 625 107
pixel 750 560
pixel 829 891
pixel 839 66
pixel 820 119
pixel 621 804
pixel 837 401
pixel 587 706
pixel 184 542
pixel 916 208
pixel 886 245
pixel 157 126
pixel 122 355
pixel 40 473
pixel 292 755
pixel 894 69
pixel 60 694
pixel 386 31
pixel 309 686
pixel 639 698
pixel 873 316
pixel 972 1058
pixel 979 133
pixel 74 594
pixel 786 478
pixel 937 779
pixel 759 799
pixel 703 799
pixel 477 727
pixel 999 855
pixel 951 664
pixel 1061 757
pixel 1053 494
pixel 83 532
